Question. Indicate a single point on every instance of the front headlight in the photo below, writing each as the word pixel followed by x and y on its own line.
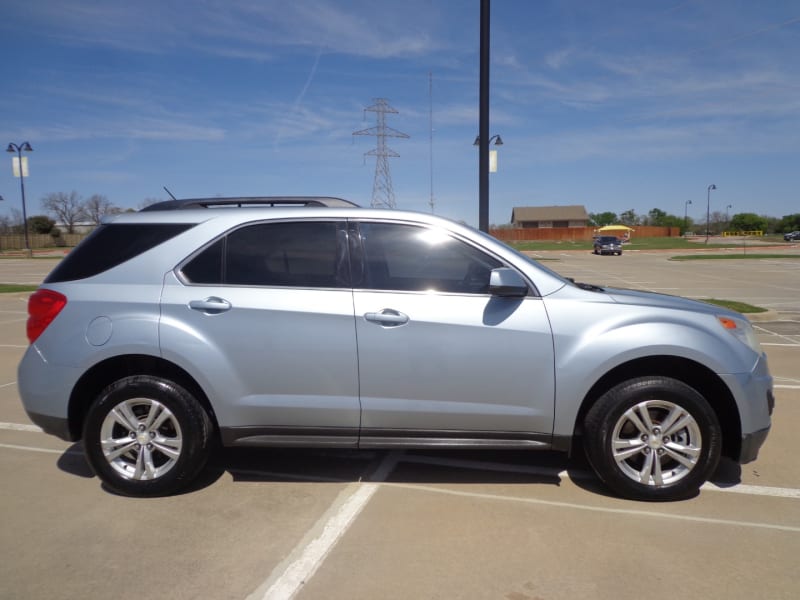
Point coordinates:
pixel 742 330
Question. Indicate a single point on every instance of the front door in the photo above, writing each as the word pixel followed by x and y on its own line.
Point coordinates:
pixel 437 351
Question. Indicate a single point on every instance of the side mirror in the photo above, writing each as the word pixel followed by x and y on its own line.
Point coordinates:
pixel 507 283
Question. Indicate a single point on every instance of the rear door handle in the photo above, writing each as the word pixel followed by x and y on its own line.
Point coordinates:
pixel 211 305
pixel 387 317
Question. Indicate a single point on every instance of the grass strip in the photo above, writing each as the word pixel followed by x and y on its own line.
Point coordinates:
pixel 8 288
pixel 741 307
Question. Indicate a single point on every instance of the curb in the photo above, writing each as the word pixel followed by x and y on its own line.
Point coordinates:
pixel 770 315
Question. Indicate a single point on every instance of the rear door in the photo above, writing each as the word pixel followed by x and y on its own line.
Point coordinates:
pixel 263 317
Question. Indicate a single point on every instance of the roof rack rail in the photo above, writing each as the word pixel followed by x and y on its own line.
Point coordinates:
pixel 249 201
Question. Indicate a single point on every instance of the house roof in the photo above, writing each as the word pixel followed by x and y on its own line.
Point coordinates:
pixel 574 212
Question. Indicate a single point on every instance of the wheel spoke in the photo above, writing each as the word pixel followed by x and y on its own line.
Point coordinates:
pixel 631 415
pixel 647 469
pixel 163 415
pixel 154 410
pixel 686 455
pixel 149 467
pixel 685 420
pixel 125 417
pixel 114 448
pixel 624 449
pixel 667 423
pixel 139 470
pixel 644 409
pixel 170 447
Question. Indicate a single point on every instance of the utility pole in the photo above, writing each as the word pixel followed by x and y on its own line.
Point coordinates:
pixel 382 191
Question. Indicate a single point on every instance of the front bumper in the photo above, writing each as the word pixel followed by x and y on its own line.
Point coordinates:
pixel 751 444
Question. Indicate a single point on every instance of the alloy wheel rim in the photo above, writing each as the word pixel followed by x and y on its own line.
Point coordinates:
pixel 141 439
pixel 656 443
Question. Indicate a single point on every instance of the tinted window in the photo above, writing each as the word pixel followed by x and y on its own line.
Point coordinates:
pixel 405 257
pixel 308 254
pixel 111 245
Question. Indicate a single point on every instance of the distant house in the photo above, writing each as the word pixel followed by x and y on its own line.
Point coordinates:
pixel 549 217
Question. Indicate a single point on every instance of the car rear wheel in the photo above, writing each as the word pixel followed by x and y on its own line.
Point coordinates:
pixel 146 436
pixel 653 438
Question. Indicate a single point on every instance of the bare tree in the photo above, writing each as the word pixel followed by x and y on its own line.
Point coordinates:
pixel 68 209
pixel 97 207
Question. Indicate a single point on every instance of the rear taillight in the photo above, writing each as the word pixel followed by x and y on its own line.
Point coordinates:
pixel 43 307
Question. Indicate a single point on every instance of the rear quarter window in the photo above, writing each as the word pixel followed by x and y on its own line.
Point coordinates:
pixel 111 245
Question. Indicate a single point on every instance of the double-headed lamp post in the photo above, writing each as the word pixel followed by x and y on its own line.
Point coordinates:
pixel 498 141
pixel 708 209
pixel 19 149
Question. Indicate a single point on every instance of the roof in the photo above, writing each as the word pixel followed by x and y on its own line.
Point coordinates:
pixel 575 212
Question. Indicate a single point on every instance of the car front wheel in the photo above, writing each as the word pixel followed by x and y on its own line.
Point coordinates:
pixel 146 436
pixel 653 438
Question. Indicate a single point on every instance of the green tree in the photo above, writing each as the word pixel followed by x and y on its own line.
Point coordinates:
pixel 629 218
pixel 748 222
pixel 656 217
pixel 40 224
pixel 603 218
pixel 788 223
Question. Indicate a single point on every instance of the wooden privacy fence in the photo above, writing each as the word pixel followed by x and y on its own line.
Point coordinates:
pixel 16 241
pixel 559 234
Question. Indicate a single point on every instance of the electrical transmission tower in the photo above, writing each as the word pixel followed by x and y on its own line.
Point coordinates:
pixel 382 192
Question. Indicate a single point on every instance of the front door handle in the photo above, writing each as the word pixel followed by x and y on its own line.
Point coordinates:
pixel 387 317
pixel 211 305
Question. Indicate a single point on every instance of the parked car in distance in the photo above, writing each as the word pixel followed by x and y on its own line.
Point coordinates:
pixel 313 322
pixel 608 244
pixel 793 236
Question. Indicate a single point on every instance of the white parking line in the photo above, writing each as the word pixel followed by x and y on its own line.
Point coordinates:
pixel 20 427
pixel 289 576
pixel 600 509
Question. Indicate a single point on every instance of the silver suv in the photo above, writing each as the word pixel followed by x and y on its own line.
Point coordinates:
pixel 312 322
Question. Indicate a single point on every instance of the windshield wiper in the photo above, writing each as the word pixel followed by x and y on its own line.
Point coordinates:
pixel 586 286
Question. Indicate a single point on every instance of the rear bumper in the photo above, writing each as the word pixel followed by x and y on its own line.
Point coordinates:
pixel 53 425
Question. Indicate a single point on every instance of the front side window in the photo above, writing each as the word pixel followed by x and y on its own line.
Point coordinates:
pixel 297 254
pixel 411 258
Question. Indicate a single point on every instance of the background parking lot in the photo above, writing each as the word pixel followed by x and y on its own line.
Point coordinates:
pixel 336 524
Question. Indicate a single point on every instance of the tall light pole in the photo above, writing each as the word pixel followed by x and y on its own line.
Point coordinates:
pixel 483 122
pixel 686 215
pixel 708 209
pixel 19 148
pixel 727 216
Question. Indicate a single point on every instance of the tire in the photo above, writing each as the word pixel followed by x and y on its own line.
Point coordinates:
pixel 629 450
pixel 146 436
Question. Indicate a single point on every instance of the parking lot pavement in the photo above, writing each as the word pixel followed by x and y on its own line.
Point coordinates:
pixel 335 524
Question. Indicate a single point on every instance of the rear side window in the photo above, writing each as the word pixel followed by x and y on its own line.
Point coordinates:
pixel 295 254
pixel 111 245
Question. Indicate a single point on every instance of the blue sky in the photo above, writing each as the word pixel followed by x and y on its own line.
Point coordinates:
pixel 614 105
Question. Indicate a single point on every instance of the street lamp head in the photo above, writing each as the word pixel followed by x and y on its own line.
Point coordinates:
pixel 688 202
pixel 712 187
pixel 25 147
pixel 498 141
